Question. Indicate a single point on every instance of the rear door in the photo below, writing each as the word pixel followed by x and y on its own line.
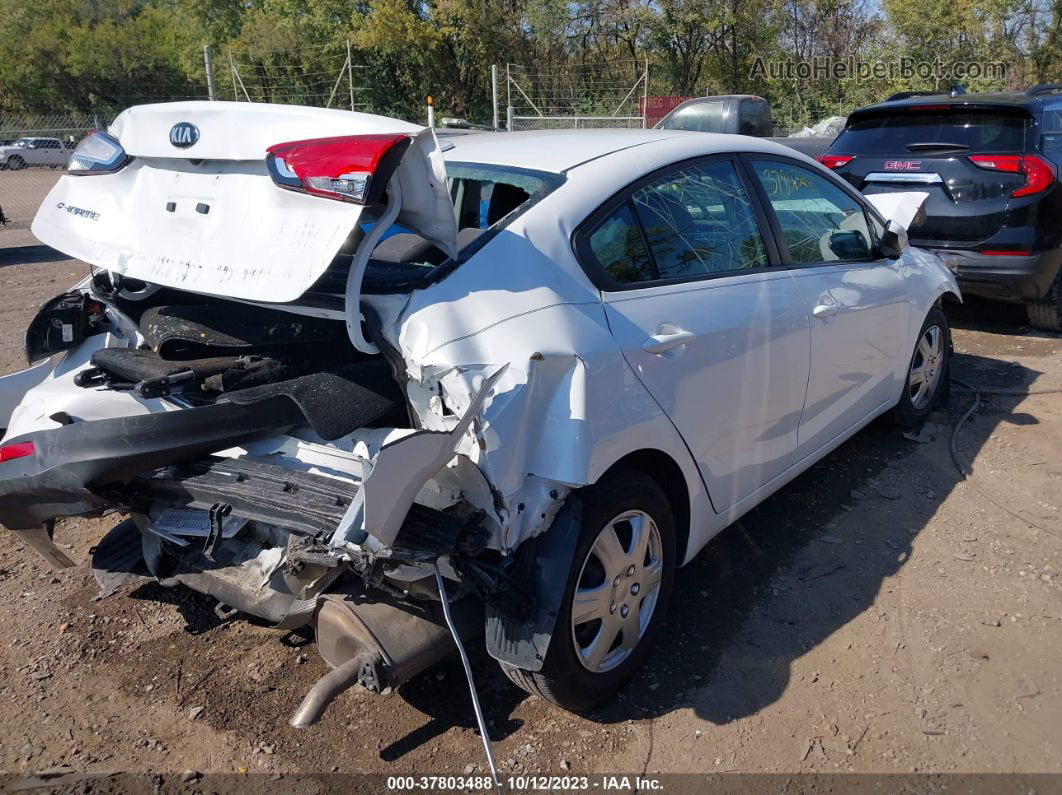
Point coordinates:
pixel 715 331
pixel 196 207
pixel 857 302
pixel 929 148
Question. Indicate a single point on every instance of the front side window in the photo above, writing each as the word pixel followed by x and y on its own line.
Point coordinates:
pixel 690 223
pixel 820 223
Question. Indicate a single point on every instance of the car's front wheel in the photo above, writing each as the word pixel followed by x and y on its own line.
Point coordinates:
pixel 928 372
pixel 16 163
pixel 615 597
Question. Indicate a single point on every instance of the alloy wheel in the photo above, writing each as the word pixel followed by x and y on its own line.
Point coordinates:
pixel 617 591
pixel 927 366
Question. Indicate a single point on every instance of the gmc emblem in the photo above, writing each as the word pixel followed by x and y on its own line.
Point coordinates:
pixel 903 165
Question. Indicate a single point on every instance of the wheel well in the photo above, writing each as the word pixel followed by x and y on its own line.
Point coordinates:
pixel 948 300
pixel 668 476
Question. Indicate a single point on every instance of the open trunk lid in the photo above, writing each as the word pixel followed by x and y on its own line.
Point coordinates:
pixel 196 208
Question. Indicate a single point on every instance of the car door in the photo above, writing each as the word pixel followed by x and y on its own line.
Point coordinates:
pixel 716 332
pixel 856 300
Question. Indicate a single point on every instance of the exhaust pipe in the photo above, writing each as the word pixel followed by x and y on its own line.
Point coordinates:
pixel 378 645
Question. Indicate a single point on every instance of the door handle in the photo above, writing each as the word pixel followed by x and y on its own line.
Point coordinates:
pixel 826 310
pixel 661 343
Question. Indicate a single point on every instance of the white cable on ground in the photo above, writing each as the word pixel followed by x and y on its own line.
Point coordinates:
pixel 468 675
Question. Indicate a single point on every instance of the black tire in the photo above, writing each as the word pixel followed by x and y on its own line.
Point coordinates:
pixel 563 679
pixel 16 163
pixel 911 412
pixel 1046 314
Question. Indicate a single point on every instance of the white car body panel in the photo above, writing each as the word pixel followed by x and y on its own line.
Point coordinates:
pixel 735 390
pixel 569 405
pixel 255 241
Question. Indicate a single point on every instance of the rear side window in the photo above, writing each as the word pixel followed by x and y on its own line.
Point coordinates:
pixel 690 223
pixel 697 116
pixel 820 223
pixel 619 248
pixel 755 118
pixel 893 135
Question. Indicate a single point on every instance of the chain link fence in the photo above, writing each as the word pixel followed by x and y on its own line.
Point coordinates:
pixel 34 151
pixel 574 122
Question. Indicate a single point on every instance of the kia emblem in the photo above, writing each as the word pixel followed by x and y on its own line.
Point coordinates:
pixel 184 134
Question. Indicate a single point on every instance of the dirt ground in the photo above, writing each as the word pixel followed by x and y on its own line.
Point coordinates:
pixel 879 614
pixel 21 193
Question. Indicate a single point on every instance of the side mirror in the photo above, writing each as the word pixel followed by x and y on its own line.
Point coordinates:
pixel 849 245
pixel 31 146
pixel 893 241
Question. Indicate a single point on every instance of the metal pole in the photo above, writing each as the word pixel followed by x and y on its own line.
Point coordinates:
pixel 509 111
pixel 350 74
pixel 494 94
pixel 645 94
pixel 209 66
pixel 232 70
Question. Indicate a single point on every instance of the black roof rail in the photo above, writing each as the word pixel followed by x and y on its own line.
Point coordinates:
pixel 1043 88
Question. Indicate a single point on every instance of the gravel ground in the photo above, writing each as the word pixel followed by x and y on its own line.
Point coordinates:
pixel 21 193
pixel 879 614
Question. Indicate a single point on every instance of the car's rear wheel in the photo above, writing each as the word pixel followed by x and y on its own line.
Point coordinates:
pixel 16 163
pixel 926 384
pixel 615 597
pixel 1046 314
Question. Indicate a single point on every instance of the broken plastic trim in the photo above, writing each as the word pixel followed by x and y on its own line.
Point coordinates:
pixel 399 472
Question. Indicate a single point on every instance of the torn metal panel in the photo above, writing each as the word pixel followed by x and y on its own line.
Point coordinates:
pixel 400 471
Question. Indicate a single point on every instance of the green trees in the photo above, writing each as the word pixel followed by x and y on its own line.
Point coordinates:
pixel 101 55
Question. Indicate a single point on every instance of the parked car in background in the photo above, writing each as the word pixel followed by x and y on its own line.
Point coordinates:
pixel 740 114
pixel 51 152
pixel 319 425
pixel 990 164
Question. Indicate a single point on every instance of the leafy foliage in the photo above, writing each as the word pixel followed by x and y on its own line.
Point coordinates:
pixel 102 55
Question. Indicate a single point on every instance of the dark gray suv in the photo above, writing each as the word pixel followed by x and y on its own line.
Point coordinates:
pixel 990 164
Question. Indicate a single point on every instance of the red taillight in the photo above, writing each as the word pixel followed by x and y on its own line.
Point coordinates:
pixel 1039 174
pixel 834 162
pixel 19 450
pixel 928 107
pixel 1006 252
pixel 353 168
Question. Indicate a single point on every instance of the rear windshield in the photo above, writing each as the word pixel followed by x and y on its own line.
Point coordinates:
pixel 978 131
pixel 486 199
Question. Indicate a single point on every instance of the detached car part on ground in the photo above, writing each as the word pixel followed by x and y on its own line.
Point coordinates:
pixel 336 381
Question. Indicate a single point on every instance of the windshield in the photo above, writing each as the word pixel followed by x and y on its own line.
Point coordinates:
pixel 973 131
pixel 697 116
pixel 486 199
pixel 23 141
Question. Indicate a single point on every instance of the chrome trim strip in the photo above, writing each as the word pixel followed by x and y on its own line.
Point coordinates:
pixel 900 176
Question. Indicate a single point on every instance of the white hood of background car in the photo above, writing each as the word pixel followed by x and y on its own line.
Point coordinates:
pixel 255 241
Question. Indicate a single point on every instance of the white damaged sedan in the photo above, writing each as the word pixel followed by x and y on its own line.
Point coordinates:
pixel 339 374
